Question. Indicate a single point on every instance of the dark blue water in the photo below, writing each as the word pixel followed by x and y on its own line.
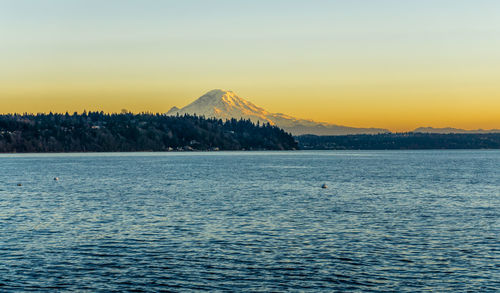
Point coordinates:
pixel 251 221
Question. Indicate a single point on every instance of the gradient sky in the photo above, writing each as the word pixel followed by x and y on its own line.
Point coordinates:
pixel 395 64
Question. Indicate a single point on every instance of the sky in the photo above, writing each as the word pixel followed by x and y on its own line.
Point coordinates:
pixel 395 64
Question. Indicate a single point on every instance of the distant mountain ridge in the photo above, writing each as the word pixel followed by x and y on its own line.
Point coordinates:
pixel 223 104
pixel 447 130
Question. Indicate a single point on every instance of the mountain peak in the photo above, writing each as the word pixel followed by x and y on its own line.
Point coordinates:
pixel 223 100
pixel 218 92
pixel 220 95
pixel 223 104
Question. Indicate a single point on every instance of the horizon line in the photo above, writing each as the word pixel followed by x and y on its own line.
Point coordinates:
pixel 125 111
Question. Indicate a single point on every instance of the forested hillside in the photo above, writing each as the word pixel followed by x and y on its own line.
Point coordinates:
pixel 127 132
pixel 397 141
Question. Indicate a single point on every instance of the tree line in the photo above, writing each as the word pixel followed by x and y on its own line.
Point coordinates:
pixel 127 132
pixel 401 141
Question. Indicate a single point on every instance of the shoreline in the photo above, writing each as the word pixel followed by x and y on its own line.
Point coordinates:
pixel 246 151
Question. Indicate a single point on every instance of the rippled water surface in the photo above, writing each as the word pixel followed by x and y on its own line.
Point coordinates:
pixel 251 221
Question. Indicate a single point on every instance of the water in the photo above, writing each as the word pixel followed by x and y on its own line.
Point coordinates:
pixel 251 221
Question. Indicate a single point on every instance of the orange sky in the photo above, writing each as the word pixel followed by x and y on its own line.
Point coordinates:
pixel 391 64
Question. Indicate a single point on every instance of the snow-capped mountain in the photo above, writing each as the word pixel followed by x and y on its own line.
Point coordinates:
pixel 223 104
